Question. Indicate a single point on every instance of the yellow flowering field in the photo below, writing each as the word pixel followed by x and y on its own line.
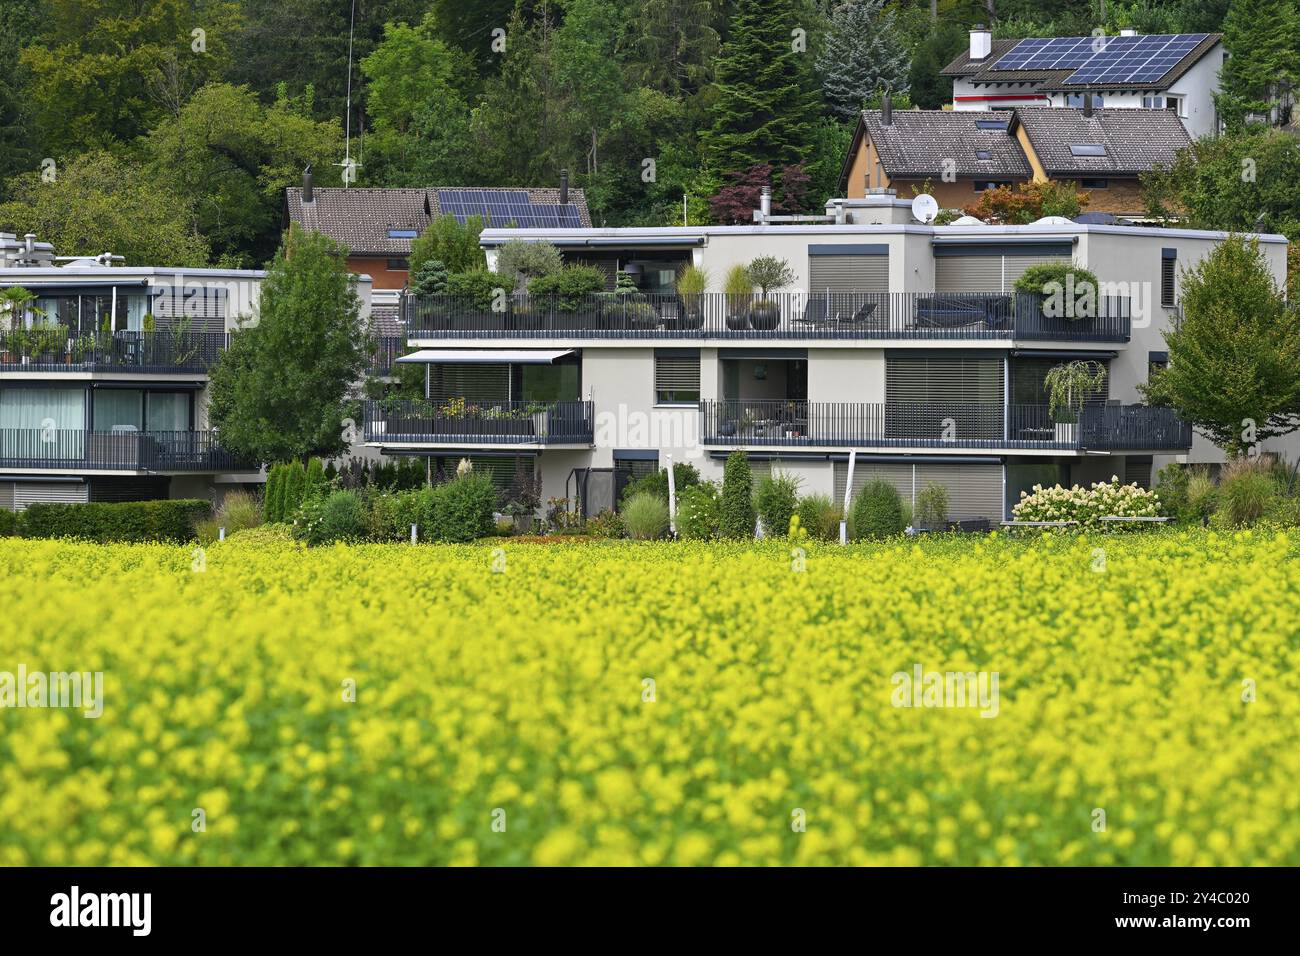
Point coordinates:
pixel 658 703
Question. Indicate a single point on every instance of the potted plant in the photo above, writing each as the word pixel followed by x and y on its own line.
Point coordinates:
pixel 768 273
pixel 522 498
pixel 739 288
pixel 14 302
pixel 541 416
pixel 691 284
pixel 1067 386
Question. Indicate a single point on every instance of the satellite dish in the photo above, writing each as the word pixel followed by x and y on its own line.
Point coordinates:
pixel 924 208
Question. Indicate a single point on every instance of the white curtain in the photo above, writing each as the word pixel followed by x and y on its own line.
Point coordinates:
pixel 42 422
pixel 118 406
pixel 134 306
pixel 168 412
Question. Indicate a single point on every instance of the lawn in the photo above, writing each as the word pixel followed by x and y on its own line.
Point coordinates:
pixel 623 703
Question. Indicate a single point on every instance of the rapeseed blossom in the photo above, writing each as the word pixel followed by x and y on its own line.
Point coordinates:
pixel 657 703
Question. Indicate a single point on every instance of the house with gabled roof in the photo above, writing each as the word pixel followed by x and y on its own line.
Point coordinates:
pixel 956 155
pixel 1176 72
pixel 379 225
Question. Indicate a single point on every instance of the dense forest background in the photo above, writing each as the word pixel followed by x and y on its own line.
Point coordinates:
pixel 168 129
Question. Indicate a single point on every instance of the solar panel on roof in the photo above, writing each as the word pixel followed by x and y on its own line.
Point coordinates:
pixel 500 207
pixel 1117 60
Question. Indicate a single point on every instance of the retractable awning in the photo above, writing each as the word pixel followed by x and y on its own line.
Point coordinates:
pixel 488 356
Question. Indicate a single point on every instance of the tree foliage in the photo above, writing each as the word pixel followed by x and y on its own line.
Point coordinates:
pixel 279 391
pixel 1028 202
pixel 862 55
pixel 102 204
pixel 1234 359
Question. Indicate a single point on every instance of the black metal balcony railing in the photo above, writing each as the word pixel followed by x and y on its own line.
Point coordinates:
pixel 939 425
pixel 60 349
pixel 479 422
pixel 80 450
pixel 791 315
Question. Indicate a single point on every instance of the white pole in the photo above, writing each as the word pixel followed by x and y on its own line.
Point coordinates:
pixel 113 321
pixel 415 532
pixel 221 534
pixel 672 498
pixel 848 493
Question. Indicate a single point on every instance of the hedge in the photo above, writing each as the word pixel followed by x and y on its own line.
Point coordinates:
pixel 128 521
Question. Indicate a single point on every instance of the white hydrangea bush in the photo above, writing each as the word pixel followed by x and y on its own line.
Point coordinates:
pixel 1086 506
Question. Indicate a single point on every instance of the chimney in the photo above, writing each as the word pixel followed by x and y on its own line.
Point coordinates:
pixel 564 186
pixel 886 110
pixel 765 204
pixel 1128 32
pixel 1087 105
pixel 981 41
pixel 307 194
pixel 30 242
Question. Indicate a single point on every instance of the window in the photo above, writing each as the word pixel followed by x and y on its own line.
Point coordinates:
pixel 991 124
pixel 1174 104
pixel 1153 102
pixel 1168 273
pixel 1087 149
pixel 983 184
pixel 1156 362
pixel 1076 100
pixel 1094 183
pixel 399 265
pixel 403 233
pixel 630 464
pixel 983 154
pixel 677 376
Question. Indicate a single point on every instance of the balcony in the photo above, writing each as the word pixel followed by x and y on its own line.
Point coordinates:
pixel 63 350
pixel 80 450
pixel 783 316
pixel 464 422
pixel 793 424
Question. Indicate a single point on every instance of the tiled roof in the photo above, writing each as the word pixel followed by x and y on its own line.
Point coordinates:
pixel 1135 140
pixel 981 71
pixel 916 143
pixel 965 66
pixel 361 218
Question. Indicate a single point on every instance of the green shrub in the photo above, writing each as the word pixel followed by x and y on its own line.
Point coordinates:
pixel 1202 495
pixel 8 523
pixel 698 512
pixel 1282 513
pixel 127 521
pixel 736 516
pixel 645 516
pixel 1171 484
pixel 271 494
pixel 607 524
pixel 932 506
pixel 391 514
pixel 1040 279
pixel 775 501
pixel 877 511
pixel 819 516
pixel 520 260
pixel 338 516
pixel 656 483
pixel 569 286
pixel 430 278
pixel 460 510
pixel 316 480
pixel 1245 495
pixel 238 512
pixel 479 286
pixel 295 490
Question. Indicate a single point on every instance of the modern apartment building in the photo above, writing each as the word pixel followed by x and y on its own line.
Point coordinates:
pixel 906 343
pixel 104 378
pixel 1177 72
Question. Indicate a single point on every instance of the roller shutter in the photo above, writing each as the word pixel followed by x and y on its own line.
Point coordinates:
pixel 986 271
pixel 923 394
pixel 41 492
pixel 847 273
pixel 898 474
pixel 974 489
pixel 197 310
pixel 480 383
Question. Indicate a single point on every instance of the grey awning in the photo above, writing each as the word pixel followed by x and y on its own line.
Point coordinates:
pixel 488 356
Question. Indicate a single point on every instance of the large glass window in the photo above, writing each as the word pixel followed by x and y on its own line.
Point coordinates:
pixel 550 383
pixel 42 422
pixel 167 412
pixel 118 409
